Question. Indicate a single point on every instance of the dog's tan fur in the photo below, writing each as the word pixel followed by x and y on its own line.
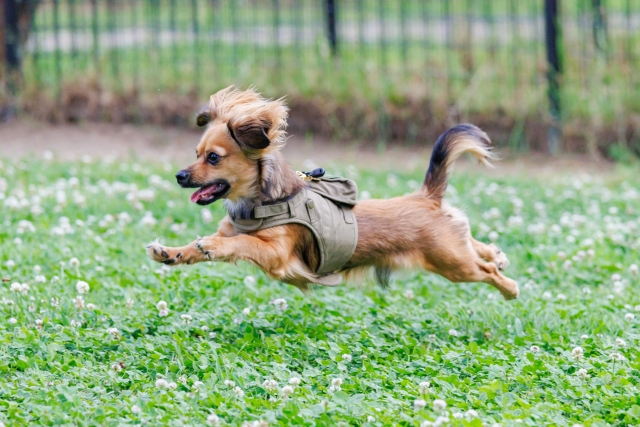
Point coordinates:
pixel 414 231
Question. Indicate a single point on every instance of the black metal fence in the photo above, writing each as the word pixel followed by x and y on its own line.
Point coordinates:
pixel 523 58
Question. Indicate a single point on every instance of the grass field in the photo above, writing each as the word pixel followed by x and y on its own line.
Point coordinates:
pixel 86 340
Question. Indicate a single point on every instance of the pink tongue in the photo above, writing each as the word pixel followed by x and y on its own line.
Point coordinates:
pixel 203 192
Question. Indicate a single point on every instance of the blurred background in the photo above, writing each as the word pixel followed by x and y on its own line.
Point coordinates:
pixel 545 76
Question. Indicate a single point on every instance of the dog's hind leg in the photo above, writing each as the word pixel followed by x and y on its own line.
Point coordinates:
pixel 491 253
pixel 465 266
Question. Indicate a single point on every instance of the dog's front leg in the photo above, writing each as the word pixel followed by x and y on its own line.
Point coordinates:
pixel 269 255
pixel 189 254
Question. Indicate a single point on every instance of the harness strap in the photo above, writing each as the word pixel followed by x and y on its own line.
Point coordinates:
pixel 288 207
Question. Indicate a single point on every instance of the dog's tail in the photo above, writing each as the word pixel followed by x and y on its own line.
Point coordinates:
pixel 449 146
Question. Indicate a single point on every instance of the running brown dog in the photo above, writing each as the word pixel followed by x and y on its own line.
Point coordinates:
pixel 238 160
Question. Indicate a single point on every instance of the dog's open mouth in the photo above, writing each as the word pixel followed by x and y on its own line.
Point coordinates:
pixel 210 193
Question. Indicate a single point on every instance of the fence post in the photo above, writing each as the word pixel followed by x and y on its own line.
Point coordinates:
pixel 599 27
pixel 553 39
pixel 331 12
pixel 11 54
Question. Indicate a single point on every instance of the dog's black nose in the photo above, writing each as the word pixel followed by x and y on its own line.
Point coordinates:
pixel 183 177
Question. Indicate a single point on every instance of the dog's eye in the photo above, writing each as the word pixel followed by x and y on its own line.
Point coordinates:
pixel 213 158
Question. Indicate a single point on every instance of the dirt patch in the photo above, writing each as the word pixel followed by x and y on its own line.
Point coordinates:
pixel 22 138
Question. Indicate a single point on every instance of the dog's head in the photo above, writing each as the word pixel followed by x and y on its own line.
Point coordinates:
pixel 240 128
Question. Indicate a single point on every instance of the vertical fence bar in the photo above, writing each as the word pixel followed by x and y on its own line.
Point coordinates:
pixel 11 55
pixel 95 34
pixel 196 44
pixel 276 30
pixel 73 27
pixel 404 36
pixel 331 17
pixel 382 37
pixel 553 38
pixel 57 52
pixel 599 25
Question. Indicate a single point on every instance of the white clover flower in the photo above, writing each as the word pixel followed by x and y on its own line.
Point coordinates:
pixel 39 323
pixel 213 420
pixel 237 321
pixel 207 216
pixel 148 220
pixel 584 336
pixel 10 263
pixel 471 413
pixel 82 287
pixel 616 356
pixel 336 384
pixel 173 385
pixel 78 301
pixel 287 390
pixel 453 332
pixel 294 381
pixel 74 262
pixel 633 269
pixel 76 323
pixel 229 383
pixel 136 409
pixel 547 295
pixel 40 279
pixel 346 358
pixel 577 353
pixel 162 305
pixel 116 367
pixel 113 331
pixel 163 313
pixel 238 391
pixel 249 280
pixel 629 317
pixel 246 311
pixel 16 287
pixel 270 385
pixel 439 405
pixel 12 320
pixel 615 277
pixel 419 404
pixel 212 335
pixel 582 373
pixel 424 387
pixel 186 318
pixel 162 383
pixel 561 297
pixel 534 349
pixel 620 342
pixel 280 304
pixel 129 303
pixel 91 307
pixel 408 294
pixel 24 288
pixel 371 419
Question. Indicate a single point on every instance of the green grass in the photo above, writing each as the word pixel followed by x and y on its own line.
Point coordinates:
pixel 476 350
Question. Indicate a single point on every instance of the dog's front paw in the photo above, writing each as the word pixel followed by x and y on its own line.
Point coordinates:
pixel 162 254
pixel 202 246
pixel 500 259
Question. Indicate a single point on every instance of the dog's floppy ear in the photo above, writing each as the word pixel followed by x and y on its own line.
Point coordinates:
pixel 252 135
pixel 204 117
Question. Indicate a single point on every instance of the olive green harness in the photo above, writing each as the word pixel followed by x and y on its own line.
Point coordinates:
pixel 325 208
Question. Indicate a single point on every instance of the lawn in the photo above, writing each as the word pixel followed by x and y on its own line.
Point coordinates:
pixel 93 333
